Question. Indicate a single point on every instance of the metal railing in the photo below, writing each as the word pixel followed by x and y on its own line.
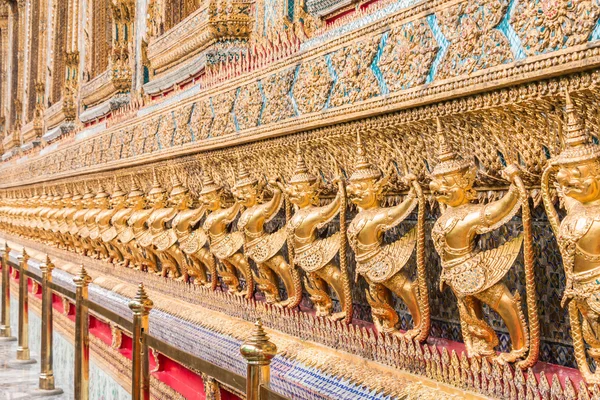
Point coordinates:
pixel 257 350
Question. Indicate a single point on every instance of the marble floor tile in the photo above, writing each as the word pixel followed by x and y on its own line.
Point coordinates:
pixel 19 382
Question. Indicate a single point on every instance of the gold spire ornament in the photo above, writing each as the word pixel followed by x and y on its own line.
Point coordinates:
pixel 576 171
pixel 301 173
pixel 156 186
pixel 243 177
pixel 208 184
pixel 449 161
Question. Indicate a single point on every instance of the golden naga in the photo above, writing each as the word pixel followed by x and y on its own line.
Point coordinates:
pixel 225 245
pixel 94 241
pixel 577 170
pixel 382 265
pixel 315 256
pixel 107 232
pixel 157 239
pixel 265 248
pixel 191 240
pixel 129 225
pixel 475 276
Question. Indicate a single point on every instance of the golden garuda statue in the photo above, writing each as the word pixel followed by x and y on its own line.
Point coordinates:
pixel 474 275
pixel 85 221
pixel 77 220
pixel 315 256
pixel 577 173
pixel 382 265
pixel 64 226
pixel 262 247
pixel 43 222
pixel 226 245
pixel 108 232
pixel 156 239
pixel 102 203
pixel 191 240
pixel 130 222
pixel 57 218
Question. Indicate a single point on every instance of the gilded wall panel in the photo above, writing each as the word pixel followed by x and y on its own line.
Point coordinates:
pixel 106 153
pixel 151 144
pixel 183 133
pixel 248 106
pixel 201 119
pixel 408 55
pixel 166 130
pixel 138 139
pixel 96 156
pixel 127 139
pixel 222 105
pixel 371 65
pixel 549 25
pixel 475 41
pixel 312 87
pixel 355 79
pixel 276 89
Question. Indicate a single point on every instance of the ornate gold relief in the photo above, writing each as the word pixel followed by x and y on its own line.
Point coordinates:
pixel 475 43
pixel 315 255
pixel 549 25
pixel 355 79
pixel 408 55
pixel 225 245
pixel 276 89
pixel 262 247
pixel 222 105
pixel 248 106
pixel 202 119
pixel 312 86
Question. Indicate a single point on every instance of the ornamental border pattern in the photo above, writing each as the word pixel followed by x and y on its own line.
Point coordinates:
pixel 545 65
pixel 548 89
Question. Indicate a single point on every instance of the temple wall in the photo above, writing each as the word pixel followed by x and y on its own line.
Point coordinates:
pixel 262 83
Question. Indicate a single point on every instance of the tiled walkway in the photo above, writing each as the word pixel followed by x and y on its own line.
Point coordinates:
pixel 20 382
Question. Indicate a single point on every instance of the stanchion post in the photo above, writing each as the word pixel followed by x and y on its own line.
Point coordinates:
pixel 258 352
pixel 140 374
pixel 82 344
pixel 23 353
pixel 47 387
pixel 5 333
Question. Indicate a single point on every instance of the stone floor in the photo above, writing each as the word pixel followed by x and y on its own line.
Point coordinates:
pixel 20 382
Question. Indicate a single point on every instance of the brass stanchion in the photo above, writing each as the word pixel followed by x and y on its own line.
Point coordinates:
pixel 140 374
pixel 258 351
pixel 5 333
pixel 82 344
pixel 47 387
pixel 23 354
